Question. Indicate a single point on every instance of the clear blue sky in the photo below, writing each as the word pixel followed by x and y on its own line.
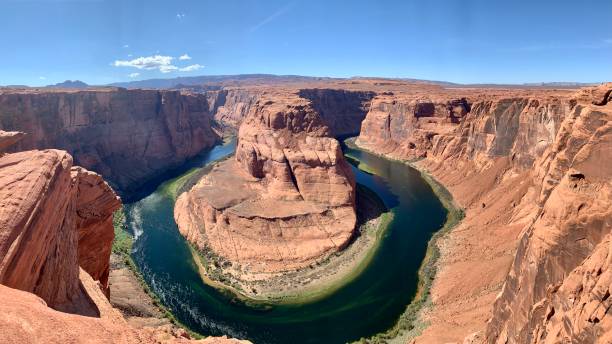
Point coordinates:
pixel 97 41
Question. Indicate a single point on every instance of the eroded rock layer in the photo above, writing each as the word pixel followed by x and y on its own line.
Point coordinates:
pixel 533 170
pixel 56 234
pixel 550 295
pixel 286 200
pixel 43 224
pixel 128 136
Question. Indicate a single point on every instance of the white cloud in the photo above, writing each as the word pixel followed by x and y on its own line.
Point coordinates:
pixel 129 55
pixel 180 16
pixel 191 68
pixel 126 46
pixel 168 69
pixel 42 78
pixel 160 62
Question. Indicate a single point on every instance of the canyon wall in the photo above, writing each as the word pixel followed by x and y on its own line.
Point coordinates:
pixel 341 110
pixel 558 287
pixel 404 125
pixel 56 234
pixel 231 106
pixel 54 218
pixel 128 136
pixel 532 170
pixel 286 200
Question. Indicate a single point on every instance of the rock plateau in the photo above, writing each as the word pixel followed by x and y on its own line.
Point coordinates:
pixel 285 201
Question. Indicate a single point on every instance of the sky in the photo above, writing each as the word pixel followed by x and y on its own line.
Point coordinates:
pixel 465 41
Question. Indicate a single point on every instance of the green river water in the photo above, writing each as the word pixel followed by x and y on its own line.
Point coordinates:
pixel 368 304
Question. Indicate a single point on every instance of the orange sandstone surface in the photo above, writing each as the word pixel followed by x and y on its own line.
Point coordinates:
pixel 286 200
pixel 56 234
pixel 532 168
pixel 533 171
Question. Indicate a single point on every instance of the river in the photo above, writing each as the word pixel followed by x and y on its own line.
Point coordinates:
pixel 369 304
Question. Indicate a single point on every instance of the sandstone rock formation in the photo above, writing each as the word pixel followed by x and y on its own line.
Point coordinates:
pixel 286 200
pixel 9 138
pixel 405 125
pixel 532 170
pixel 42 227
pixel 231 106
pixel 341 110
pixel 557 286
pixel 56 234
pixel 95 204
pixel 128 136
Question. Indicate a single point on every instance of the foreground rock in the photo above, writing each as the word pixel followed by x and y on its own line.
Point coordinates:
pixel 128 136
pixel 49 226
pixel 56 234
pixel 286 201
pixel 559 285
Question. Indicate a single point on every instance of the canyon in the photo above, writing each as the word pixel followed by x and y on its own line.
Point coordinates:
pixel 532 170
pixel 284 202
pixel 530 167
pixel 130 137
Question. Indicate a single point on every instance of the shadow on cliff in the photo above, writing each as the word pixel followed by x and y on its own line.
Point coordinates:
pixel 151 185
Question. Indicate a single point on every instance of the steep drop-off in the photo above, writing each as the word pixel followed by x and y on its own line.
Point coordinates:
pixel 557 289
pixel 56 234
pixel 532 169
pixel 128 136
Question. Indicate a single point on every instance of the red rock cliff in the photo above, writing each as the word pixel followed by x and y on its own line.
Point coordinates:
pixel 128 136
pixel 557 289
pixel 56 234
pixel 54 218
pixel 531 167
pixel 285 201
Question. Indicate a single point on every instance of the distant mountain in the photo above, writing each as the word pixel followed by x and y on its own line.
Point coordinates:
pixel 216 79
pixel 209 82
pixel 69 84
pixel 561 84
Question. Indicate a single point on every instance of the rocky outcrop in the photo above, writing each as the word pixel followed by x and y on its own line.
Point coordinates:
pixel 53 220
pixel 25 318
pixel 9 138
pixel 128 136
pixel 550 295
pixel 95 204
pixel 56 234
pixel 286 200
pixel 531 169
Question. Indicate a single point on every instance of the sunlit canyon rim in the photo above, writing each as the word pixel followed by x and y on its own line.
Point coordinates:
pixel 530 169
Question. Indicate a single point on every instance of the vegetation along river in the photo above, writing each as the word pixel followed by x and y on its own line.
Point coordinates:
pixel 368 304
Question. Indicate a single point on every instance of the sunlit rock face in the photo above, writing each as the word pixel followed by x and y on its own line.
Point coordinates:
pixel 54 219
pixel 532 170
pixel 557 289
pixel 286 200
